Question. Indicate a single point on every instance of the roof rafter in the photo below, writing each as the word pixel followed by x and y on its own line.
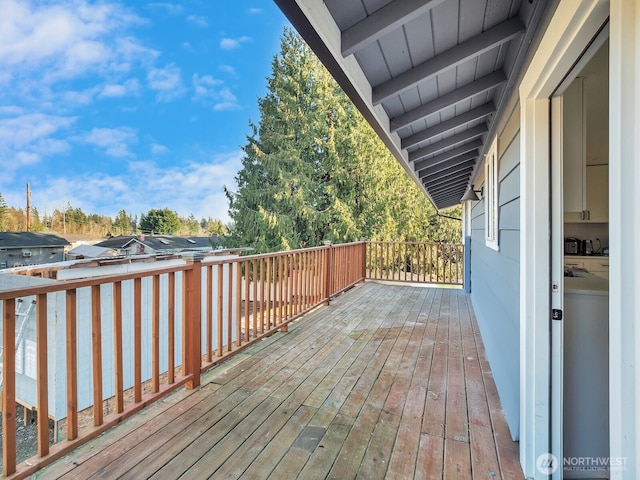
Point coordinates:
pixel 446 181
pixel 461 94
pixel 455 194
pixel 448 142
pixel 383 21
pixel 446 167
pixel 475 46
pixel 449 154
pixel 451 124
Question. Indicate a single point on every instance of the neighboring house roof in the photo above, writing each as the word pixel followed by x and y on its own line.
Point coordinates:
pixel 30 240
pixel 92 251
pixel 161 242
pixel 430 77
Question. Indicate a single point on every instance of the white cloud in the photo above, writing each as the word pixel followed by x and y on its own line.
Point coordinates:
pixel 229 70
pixel 129 87
pixel 26 138
pixel 194 187
pixel 205 85
pixel 213 91
pixel 254 11
pixel 171 8
pixel 47 46
pixel 233 43
pixel 157 149
pixel 67 38
pixel 114 141
pixel 198 20
pixel 167 82
pixel 226 106
pixel 113 91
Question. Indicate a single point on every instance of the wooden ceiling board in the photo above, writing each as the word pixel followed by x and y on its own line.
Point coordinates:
pixel 396 52
pixel 373 63
pixel 497 11
pixel 445 26
pixel 471 19
pixel 346 14
pixel 419 35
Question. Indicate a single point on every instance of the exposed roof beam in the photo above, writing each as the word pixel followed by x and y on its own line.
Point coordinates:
pixel 454 195
pixel 461 94
pixel 446 180
pixel 450 182
pixel 383 21
pixel 449 154
pixel 459 159
pixel 475 46
pixel 451 124
pixel 448 142
pixel 451 198
pixel 445 168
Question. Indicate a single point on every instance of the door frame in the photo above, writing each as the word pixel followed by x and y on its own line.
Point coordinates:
pixel 571 29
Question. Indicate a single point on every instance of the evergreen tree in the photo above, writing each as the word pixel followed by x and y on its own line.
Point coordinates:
pixel 314 170
pixel 3 213
pixel 122 224
pixel 163 222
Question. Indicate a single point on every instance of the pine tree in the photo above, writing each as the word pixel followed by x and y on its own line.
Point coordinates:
pixel 3 213
pixel 314 170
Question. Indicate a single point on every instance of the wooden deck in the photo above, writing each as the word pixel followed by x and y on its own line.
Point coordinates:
pixel 386 382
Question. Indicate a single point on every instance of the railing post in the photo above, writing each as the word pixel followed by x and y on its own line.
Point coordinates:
pixel 9 388
pixel 466 271
pixel 364 258
pixel 328 270
pixel 193 317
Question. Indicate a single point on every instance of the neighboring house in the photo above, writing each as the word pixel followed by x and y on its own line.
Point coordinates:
pixel 535 105
pixel 30 248
pixel 155 244
pixel 90 251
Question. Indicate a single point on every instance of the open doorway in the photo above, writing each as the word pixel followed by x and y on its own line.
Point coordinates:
pixel 580 232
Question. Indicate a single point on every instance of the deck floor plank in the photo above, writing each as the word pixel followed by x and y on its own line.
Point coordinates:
pixel 387 382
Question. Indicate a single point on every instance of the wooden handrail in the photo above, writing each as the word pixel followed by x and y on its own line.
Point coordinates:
pixel 417 262
pixel 153 317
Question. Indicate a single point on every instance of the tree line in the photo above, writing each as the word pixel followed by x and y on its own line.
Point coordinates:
pixel 70 220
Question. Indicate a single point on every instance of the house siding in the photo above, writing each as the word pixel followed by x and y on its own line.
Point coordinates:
pixel 495 277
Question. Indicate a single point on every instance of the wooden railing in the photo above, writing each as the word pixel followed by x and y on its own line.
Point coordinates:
pixel 124 341
pixel 418 262
pixel 120 342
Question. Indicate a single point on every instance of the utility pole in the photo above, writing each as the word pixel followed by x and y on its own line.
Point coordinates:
pixel 28 209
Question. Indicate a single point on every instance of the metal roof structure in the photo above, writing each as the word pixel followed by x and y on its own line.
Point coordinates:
pixel 430 76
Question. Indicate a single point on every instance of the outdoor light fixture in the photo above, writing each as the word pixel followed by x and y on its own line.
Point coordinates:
pixel 471 195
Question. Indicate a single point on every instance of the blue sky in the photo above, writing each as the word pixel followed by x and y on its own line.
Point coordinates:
pixel 135 105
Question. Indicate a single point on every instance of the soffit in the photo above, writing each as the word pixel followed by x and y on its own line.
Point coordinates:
pixel 429 76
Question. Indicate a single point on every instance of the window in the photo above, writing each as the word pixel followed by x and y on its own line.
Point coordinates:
pixel 491 184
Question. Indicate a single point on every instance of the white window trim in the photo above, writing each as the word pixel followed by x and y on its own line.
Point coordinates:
pixel 491 195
